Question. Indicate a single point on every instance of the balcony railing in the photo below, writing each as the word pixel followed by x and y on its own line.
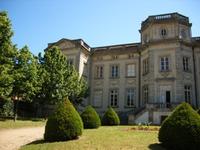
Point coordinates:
pixel 162 105
pixel 176 16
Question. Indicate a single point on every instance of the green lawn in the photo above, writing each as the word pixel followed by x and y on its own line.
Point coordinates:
pixel 10 124
pixel 109 138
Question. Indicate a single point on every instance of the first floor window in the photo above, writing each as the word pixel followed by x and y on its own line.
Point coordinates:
pixel 187 93
pixel 114 71
pixel 164 64
pixel 130 96
pixel 98 98
pixel 186 63
pixel 145 94
pixel 99 71
pixel 114 98
pixel 130 70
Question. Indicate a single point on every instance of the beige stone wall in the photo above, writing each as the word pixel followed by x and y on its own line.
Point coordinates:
pixel 107 83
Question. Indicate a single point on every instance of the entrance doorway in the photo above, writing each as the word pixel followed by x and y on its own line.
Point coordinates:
pixel 168 98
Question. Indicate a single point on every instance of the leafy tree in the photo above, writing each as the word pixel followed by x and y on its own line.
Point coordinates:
pixel 7 56
pixel 90 118
pixel 64 124
pixel 59 79
pixel 181 130
pixel 26 77
pixel 110 117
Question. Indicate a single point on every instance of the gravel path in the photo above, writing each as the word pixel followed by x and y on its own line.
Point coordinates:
pixel 13 139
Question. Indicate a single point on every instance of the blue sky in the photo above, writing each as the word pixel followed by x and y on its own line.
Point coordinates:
pixel 97 22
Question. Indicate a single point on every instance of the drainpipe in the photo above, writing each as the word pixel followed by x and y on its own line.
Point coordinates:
pixel 195 78
pixel 139 78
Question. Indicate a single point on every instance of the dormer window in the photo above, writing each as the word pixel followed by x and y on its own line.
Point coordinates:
pixel 163 32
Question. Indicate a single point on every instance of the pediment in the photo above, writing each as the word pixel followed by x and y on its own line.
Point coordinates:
pixel 65 44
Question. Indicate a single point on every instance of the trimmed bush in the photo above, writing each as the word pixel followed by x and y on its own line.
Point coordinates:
pixel 64 124
pixel 90 118
pixel 110 117
pixel 181 130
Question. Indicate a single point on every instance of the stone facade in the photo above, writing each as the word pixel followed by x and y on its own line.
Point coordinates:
pixel 142 81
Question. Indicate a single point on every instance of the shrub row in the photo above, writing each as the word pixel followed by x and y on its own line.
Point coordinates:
pixel 66 123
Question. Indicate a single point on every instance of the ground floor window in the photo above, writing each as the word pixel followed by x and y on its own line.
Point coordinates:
pixel 145 94
pixel 114 97
pixel 187 93
pixel 130 97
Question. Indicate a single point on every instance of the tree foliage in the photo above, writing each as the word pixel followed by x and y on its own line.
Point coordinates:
pixel 64 124
pixel 7 56
pixel 181 130
pixel 90 118
pixel 26 76
pixel 59 79
pixel 110 117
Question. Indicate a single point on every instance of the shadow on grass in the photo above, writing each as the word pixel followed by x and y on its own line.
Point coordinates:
pixel 156 146
pixel 42 141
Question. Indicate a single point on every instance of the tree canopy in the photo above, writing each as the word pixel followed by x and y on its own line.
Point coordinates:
pixel 7 57
pixel 59 79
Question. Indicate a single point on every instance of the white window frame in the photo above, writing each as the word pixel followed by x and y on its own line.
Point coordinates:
pixel 186 61
pixel 130 70
pixel 164 63
pixel 99 71
pixel 145 93
pixel 114 97
pixel 188 93
pixel 114 71
pixel 130 97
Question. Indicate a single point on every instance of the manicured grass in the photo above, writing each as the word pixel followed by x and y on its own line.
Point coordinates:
pixel 105 138
pixel 10 124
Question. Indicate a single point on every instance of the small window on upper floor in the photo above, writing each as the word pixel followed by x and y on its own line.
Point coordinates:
pixel 99 71
pixel 130 70
pixel 163 32
pixel 114 71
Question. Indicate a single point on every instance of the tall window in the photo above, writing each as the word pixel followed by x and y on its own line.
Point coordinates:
pixel 145 93
pixel 164 64
pixel 130 70
pixel 186 63
pixel 130 96
pixel 145 66
pixel 188 94
pixel 85 69
pixel 99 71
pixel 98 98
pixel 114 71
pixel 114 98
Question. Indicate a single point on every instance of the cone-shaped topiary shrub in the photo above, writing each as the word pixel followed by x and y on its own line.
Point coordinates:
pixel 64 124
pixel 90 118
pixel 181 130
pixel 110 117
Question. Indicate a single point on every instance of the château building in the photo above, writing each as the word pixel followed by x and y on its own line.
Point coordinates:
pixel 142 81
